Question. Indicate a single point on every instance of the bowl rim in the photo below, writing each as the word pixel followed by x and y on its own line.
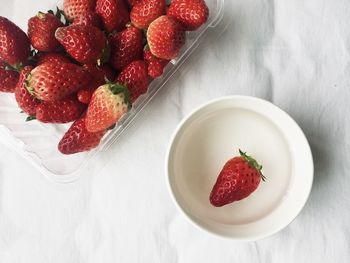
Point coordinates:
pixel 171 145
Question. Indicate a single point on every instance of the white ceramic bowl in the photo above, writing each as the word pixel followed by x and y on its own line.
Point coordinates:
pixel 210 136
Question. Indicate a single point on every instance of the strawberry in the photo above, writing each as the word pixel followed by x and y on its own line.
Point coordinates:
pixel 76 8
pixel 155 65
pixel 79 139
pixel 8 79
pixel 92 19
pixel 165 37
pixel 239 177
pixel 145 12
pixel 41 31
pixel 86 44
pixel 190 13
pixel 133 2
pixel 135 77
pixel 60 111
pixel 41 58
pixel 55 81
pixel 14 43
pixel 25 100
pixel 99 76
pixel 114 14
pixel 127 46
pixel 108 104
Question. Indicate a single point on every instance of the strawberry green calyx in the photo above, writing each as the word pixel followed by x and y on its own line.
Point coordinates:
pixel 41 15
pixel 16 67
pixel 30 118
pixel 252 163
pixel 27 85
pixel 117 88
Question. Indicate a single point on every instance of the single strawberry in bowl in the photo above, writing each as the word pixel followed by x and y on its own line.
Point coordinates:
pixel 114 14
pixel 108 104
pixel 239 177
pixel 127 46
pixel 155 66
pixel 165 37
pixel 41 31
pixel 86 44
pixel 8 79
pixel 75 8
pixel 135 78
pixel 190 13
pixel 55 81
pixel 145 12
pixel 91 19
pixel 60 111
pixel 79 139
pixel 14 43
pixel 26 101
pixel 42 57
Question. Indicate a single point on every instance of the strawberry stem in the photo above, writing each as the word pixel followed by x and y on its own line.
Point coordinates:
pixel 117 88
pixel 252 163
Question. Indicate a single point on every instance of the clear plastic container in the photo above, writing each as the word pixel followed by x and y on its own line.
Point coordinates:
pixel 38 142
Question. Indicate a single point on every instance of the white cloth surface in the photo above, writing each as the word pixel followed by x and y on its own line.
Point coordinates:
pixel 294 53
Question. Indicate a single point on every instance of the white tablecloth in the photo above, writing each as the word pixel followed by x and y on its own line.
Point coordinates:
pixel 295 53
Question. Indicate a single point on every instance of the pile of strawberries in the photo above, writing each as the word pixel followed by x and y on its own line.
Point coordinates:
pixel 90 62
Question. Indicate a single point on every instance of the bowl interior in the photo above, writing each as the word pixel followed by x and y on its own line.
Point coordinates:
pixel 211 136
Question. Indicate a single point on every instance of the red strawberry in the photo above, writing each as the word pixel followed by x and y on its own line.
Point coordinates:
pixel 76 8
pixel 14 43
pixel 190 13
pixel 114 14
pixel 79 139
pixel 99 76
pixel 55 81
pixel 41 31
pixel 133 2
pixel 108 104
pixel 86 44
pixel 90 19
pixel 145 12
pixel 41 58
pixel 135 77
pixel 239 177
pixel 127 46
pixel 8 79
pixel 25 100
pixel 165 37
pixel 60 111
pixel 155 65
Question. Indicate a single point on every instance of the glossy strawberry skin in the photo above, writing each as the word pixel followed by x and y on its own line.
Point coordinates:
pixel 90 19
pixel 41 58
pixel 108 104
pixel 237 180
pixel 86 44
pixel 155 66
pixel 75 8
pixel 190 13
pixel 135 77
pixel 114 14
pixel 61 111
pixel 55 81
pixel 165 37
pixel 79 139
pixel 145 12
pixel 127 46
pixel 41 32
pixel 99 75
pixel 25 100
pixel 8 79
pixel 133 2
pixel 14 43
